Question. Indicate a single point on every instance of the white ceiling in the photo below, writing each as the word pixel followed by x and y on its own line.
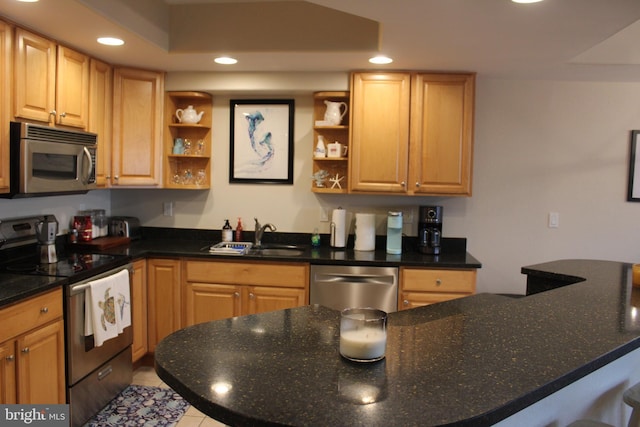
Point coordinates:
pixel 555 39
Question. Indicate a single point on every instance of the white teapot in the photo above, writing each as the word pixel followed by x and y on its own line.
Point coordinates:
pixel 188 115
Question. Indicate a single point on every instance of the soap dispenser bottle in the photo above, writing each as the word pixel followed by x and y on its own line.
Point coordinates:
pixel 227 232
pixel 321 150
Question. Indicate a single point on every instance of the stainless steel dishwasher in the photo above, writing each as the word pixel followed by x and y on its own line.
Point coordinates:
pixel 339 287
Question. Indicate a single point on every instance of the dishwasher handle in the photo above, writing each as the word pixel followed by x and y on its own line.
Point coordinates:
pixel 355 278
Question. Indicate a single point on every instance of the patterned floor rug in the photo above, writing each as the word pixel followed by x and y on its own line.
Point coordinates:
pixel 139 406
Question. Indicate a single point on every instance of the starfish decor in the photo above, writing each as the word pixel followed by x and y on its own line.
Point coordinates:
pixel 336 181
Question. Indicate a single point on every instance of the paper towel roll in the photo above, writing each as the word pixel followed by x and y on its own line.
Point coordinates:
pixel 365 232
pixel 339 224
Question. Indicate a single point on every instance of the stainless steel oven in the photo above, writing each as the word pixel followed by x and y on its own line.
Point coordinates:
pixel 95 375
pixel 47 161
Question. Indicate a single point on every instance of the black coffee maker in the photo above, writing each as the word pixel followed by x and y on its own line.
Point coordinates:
pixel 429 229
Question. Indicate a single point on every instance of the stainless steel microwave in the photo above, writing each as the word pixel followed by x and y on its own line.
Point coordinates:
pixel 46 161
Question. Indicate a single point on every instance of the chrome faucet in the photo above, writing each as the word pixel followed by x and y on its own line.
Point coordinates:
pixel 259 231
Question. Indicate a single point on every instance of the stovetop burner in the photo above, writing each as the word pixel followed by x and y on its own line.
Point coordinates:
pixel 69 266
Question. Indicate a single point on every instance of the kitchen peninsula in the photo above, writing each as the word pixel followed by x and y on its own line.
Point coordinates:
pixel 470 361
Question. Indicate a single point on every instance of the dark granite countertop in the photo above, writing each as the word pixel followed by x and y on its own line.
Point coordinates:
pixel 470 361
pixel 16 287
pixel 195 243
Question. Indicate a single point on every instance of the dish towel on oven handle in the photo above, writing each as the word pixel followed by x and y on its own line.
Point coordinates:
pixel 107 307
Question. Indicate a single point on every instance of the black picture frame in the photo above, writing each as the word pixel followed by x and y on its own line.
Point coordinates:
pixel 633 190
pixel 261 147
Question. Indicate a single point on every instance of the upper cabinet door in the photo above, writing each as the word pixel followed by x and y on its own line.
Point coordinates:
pixel 442 134
pixel 6 62
pixel 137 128
pixel 72 88
pixel 378 157
pixel 100 113
pixel 35 69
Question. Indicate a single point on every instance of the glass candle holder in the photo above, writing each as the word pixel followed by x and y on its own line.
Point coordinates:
pixel 363 334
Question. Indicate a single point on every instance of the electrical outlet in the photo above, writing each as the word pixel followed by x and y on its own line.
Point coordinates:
pixel 554 220
pixel 167 208
pixel 324 214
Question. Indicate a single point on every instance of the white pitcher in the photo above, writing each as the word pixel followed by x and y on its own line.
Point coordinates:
pixel 333 115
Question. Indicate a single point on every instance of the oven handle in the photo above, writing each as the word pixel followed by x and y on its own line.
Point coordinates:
pixel 85 285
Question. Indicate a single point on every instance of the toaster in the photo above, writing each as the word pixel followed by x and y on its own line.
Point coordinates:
pixel 125 226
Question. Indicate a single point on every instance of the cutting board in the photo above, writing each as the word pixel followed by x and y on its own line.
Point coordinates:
pixel 103 243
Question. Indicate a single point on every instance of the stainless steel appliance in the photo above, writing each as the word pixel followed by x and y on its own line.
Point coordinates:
pixel 430 229
pixel 125 226
pixel 46 232
pixel 339 287
pixel 95 375
pixel 46 161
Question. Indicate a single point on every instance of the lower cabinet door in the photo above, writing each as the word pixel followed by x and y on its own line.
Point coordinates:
pixel 41 365
pixel 205 302
pixel 261 299
pixel 8 390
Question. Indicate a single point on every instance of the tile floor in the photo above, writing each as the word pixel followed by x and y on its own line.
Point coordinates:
pixel 146 375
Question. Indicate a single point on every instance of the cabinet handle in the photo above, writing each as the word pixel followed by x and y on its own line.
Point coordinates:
pixel 236 294
pixel 63 115
pixel 438 282
pixel 10 358
pixel 251 295
pixel 405 302
pixel 52 113
pixel 44 310
pixel 108 177
pixel 116 177
pixel 404 184
pixel 25 350
pixel 417 184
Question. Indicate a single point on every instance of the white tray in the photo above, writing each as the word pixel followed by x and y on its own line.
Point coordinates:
pixel 230 248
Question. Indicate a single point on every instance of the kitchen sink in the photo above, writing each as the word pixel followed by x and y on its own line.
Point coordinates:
pixel 277 250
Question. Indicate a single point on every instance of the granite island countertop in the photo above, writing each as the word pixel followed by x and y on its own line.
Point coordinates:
pixel 471 361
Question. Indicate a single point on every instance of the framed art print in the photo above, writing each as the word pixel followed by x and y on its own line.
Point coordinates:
pixel 261 148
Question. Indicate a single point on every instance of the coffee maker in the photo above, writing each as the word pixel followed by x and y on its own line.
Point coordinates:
pixel 429 229
pixel 46 231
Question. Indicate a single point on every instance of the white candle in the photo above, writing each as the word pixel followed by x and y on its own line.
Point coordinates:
pixel 363 344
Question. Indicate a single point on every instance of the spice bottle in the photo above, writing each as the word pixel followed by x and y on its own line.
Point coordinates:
pixel 239 230
pixel 227 232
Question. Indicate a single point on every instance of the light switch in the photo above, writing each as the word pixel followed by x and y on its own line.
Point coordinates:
pixel 554 220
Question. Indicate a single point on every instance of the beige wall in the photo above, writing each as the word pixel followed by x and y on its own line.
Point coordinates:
pixel 540 146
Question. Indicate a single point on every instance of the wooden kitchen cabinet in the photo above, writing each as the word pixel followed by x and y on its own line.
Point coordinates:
pixel 137 128
pixel 100 117
pixel 216 290
pixel 419 286
pixel 139 301
pixel 333 166
pixel 192 169
pixel 32 368
pixel 51 82
pixel 72 88
pixel 35 76
pixel 163 293
pixel 411 133
pixel 6 65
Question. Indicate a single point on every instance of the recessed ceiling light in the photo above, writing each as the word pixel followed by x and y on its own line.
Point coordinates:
pixel 28 1
pixel 380 59
pixel 110 41
pixel 225 60
pixel 526 1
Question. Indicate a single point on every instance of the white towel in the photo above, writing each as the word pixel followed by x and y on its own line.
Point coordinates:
pixel 107 307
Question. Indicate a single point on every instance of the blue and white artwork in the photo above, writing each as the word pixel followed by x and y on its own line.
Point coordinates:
pixel 261 141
